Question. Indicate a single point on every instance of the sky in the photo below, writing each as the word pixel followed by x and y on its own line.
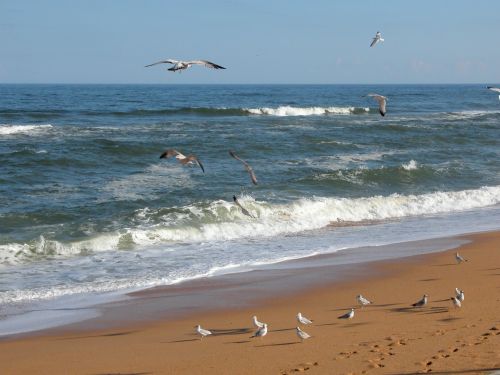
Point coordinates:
pixel 259 41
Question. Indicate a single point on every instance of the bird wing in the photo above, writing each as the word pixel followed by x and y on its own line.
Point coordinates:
pixel 169 153
pixel 374 41
pixel 382 100
pixel 247 166
pixel 192 158
pixel 205 63
pixel 205 332
pixel 496 89
pixel 169 61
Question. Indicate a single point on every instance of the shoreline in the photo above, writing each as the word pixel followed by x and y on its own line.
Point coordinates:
pixel 252 287
pixel 387 338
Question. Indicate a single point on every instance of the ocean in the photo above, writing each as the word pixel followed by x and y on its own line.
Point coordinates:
pixel 89 210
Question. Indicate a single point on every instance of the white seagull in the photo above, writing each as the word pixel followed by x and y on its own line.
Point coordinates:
pixel 303 319
pixel 256 323
pixel 182 65
pixel 348 315
pixel 302 335
pixel 202 332
pixel 496 89
pixel 460 294
pixel 376 39
pixel 261 332
pixel 362 300
pixel 456 302
pixel 459 258
pixel 382 101
pixel 422 302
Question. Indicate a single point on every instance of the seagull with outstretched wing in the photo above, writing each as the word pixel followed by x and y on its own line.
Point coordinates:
pixel 495 89
pixel 182 65
pixel 376 39
pixel 246 165
pixel 382 101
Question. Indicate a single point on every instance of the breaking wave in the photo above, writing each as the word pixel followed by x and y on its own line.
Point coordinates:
pixel 7 129
pixel 222 221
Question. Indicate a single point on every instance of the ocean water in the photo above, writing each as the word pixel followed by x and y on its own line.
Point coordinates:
pixel 88 208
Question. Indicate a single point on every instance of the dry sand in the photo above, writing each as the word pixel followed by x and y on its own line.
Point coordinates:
pixel 388 337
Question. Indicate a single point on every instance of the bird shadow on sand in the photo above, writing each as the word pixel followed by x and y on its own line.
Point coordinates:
pixel 351 325
pixel 238 342
pixel 177 341
pixel 450 319
pixel 279 344
pixel 283 329
pixel 432 279
pixel 94 336
pixel 444 265
pixel 232 331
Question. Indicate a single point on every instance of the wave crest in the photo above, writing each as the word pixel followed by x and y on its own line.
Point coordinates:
pixel 8 129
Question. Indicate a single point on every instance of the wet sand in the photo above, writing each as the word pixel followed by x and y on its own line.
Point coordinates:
pixel 389 337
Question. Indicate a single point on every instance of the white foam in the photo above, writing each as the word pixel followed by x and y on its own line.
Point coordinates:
pixel 410 166
pixel 223 221
pixel 304 111
pixel 7 129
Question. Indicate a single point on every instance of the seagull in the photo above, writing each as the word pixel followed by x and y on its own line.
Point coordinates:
pixel 244 210
pixel 496 89
pixel 182 65
pixel 303 319
pixel 382 100
pixel 421 302
pixel 256 323
pixel 302 335
pixel 348 315
pixel 460 258
pixel 460 294
pixel 456 302
pixel 378 38
pixel 190 159
pixel 261 332
pixel 247 167
pixel 363 301
pixel 202 332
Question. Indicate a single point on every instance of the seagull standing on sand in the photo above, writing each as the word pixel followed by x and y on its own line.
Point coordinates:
pixel 422 302
pixel 456 302
pixel 460 294
pixel 244 210
pixel 348 315
pixel 301 334
pixel 190 159
pixel 256 323
pixel 202 332
pixel 182 65
pixel 303 319
pixel 246 165
pixel 495 89
pixel 376 39
pixel 382 101
pixel 363 301
pixel 459 258
pixel 261 332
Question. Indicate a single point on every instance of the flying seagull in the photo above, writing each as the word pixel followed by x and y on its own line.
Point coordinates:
pixel 460 294
pixel 363 301
pixel 246 165
pixel 301 334
pixel 244 210
pixel 256 323
pixel 496 89
pixel 422 302
pixel 459 258
pixel 303 319
pixel 261 332
pixel 382 100
pixel 190 159
pixel 376 39
pixel 202 332
pixel 182 65
pixel 348 315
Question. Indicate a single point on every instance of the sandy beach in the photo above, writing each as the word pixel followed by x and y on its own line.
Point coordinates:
pixel 388 337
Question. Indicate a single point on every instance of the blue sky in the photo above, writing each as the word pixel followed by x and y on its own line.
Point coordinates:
pixel 259 41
